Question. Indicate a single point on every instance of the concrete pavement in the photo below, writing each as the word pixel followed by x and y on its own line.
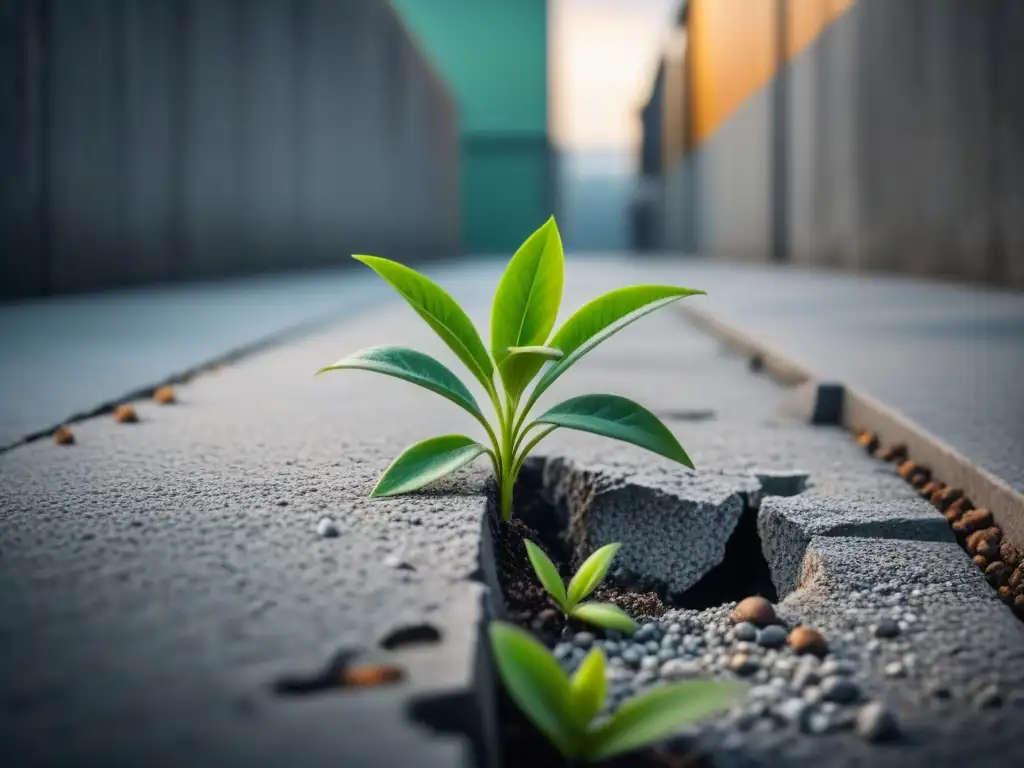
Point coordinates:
pixel 159 577
pixel 950 357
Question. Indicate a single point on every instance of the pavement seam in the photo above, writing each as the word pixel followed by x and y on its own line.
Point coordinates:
pixel 863 412
pixel 262 344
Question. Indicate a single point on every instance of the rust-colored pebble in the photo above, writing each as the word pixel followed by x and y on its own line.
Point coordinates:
pixel 1009 554
pixel 756 610
pixel 125 414
pixel 997 573
pixel 164 395
pixel 985 542
pixel 957 509
pixel 919 479
pixel 1006 594
pixel 907 468
pixel 981 561
pixel 945 497
pixel 930 488
pixel 868 441
pixel 972 521
pixel 1017 578
pixel 896 452
pixel 807 640
pixel 370 675
pixel 64 436
pixel 1018 604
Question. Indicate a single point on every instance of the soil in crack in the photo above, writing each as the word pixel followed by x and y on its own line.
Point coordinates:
pixel 526 601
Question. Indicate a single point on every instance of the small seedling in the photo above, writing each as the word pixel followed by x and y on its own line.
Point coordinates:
pixel 522 318
pixel 589 575
pixel 566 709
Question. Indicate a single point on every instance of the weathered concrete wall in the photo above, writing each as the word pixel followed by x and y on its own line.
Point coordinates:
pixel 180 139
pixel 904 138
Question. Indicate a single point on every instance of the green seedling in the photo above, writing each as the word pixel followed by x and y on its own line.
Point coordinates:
pixel 566 710
pixel 586 580
pixel 522 318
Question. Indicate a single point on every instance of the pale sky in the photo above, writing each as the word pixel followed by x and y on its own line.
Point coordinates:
pixel 603 55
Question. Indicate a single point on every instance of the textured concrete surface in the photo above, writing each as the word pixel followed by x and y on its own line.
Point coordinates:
pixel 159 577
pixel 673 525
pixel 787 525
pixel 66 356
pixel 949 357
pixel 960 643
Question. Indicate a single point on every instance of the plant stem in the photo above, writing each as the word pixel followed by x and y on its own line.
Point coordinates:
pixel 505 488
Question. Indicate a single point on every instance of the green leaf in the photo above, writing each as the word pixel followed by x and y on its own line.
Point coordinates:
pixel 425 462
pixel 526 302
pixel 537 684
pixel 660 714
pixel 618 418
pixel 588 688
pixel 591 573
pixel 602 318
pixel 548 353
pixel 605 615
pixel 413 366
pixel 546 572
pixel 440 311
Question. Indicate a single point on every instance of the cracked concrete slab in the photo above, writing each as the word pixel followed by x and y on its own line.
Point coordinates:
pixel 787 525
pixel 673 523
pixel 959 644
pixel 159 577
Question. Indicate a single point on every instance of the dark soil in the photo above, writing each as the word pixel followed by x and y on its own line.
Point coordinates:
pixel 526 600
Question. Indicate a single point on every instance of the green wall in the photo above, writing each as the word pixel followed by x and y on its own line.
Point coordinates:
pixel 493 53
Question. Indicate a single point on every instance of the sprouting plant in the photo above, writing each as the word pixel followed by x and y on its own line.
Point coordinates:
pixel 522 318
pixel 566 709
pixel 589 575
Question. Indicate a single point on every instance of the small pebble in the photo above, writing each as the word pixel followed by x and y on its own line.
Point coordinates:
pixel 876 723
pixel 772 636
pixel 680 669
pixel 887 628
pixel 125 414
pixel 895 669
pixel 746 631
pixel 583 640
pixel 64 436
pixel 792 710
pixel 807 640
pixel 326 528
pixel 834 667
pixel 649 663
pixel 812 695
pixel 841 690
pixel 164 395
pixel 743 665
pixel 756 610
pixel 632 655
pixel 988 698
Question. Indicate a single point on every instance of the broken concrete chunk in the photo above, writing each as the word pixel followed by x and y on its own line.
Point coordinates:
pixel 786 526
pixel 673 524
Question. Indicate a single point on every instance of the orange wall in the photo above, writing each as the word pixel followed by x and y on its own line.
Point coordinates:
pixel 808 19
pixel 732 55
pixel 732 51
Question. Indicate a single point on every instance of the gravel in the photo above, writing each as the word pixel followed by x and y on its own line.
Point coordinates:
pixel 327 528
pixel 876 723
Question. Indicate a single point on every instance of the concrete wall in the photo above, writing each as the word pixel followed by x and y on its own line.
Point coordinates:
pixel 903 125
pixel 181 139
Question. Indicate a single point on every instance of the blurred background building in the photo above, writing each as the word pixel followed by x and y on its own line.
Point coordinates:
pixel 865 134
pixel 149 141
pixel 494 56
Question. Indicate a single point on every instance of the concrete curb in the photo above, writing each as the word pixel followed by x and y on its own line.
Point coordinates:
pixel 824 402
